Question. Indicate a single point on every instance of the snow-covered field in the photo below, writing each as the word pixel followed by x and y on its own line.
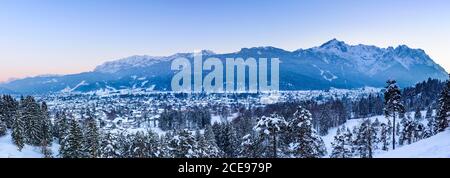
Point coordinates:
pixel 437 146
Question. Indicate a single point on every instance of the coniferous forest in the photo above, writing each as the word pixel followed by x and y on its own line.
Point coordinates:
pixel 289 129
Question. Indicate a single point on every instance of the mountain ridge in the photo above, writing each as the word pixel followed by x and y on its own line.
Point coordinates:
pixel 333 64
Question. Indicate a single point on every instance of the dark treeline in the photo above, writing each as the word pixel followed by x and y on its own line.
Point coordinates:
pixel 422 96
pixel 191 118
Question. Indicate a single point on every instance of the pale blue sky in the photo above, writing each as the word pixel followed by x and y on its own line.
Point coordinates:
pixel 70 36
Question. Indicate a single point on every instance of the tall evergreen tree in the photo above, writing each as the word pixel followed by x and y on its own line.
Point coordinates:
pixel 324 122
pixel 385 135
pixel 183 145
pixel 270 128
pixel 153 144
pixel 46 126
pixel 306 143
pixel 73 144
pixel 8 110
pixel 431 128
pixel 443 109
pixel 418 114
pixel 407 133
pixel 366 139
pixel 139 145
pixel 231 141
pixel 251 146
pixel 208 144
pixel 32 115
pixel 429 113
pixel 108 146
pixel 393 105
pixel 124 145
pixel 164 148
pixel 61 126
pixel 92 138
pixel 18 131
pixel 342 144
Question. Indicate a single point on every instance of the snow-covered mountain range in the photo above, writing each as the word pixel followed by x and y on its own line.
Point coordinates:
pixel 334 64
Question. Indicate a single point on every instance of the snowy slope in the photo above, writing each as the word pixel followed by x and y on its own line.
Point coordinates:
pixel 9 150
pixel 437 146
pixel 329 138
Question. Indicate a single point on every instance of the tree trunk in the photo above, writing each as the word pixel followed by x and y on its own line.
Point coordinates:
pixel 393 134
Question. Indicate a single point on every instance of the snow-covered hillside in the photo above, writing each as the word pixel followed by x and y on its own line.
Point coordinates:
pixel 329 138
pixel 437 146
pixel 9 150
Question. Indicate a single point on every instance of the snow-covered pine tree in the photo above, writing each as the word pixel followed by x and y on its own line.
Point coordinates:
pixel 183 145
pixel 209 135
pixel 376 124
pixel 418 114
pixel 393 105
pixel 73 145
pixel 385 135
pixel 47 136
pixel 204 149
pixel 198 136
pixel 429 113
pixel 443 109
pixel 306 143
pixel 226 139
pixel 366 140
pixel 9 107
pixel 164 149
pixel 32 116
pixel 153 144
pixel 92 138
pixel 124 142
pixel 208 144
pixel 3 128
pixel 61 126
pixel 138 145
pixel 18 130
pixel 108 146
pixel 419 131
pixel 231 141
pixel 342 144
pixel 270 129
pixel 251 146
pixel 324 122
pixel 46 125
pixel 407 133
pixel 219 134
pixel 430 129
